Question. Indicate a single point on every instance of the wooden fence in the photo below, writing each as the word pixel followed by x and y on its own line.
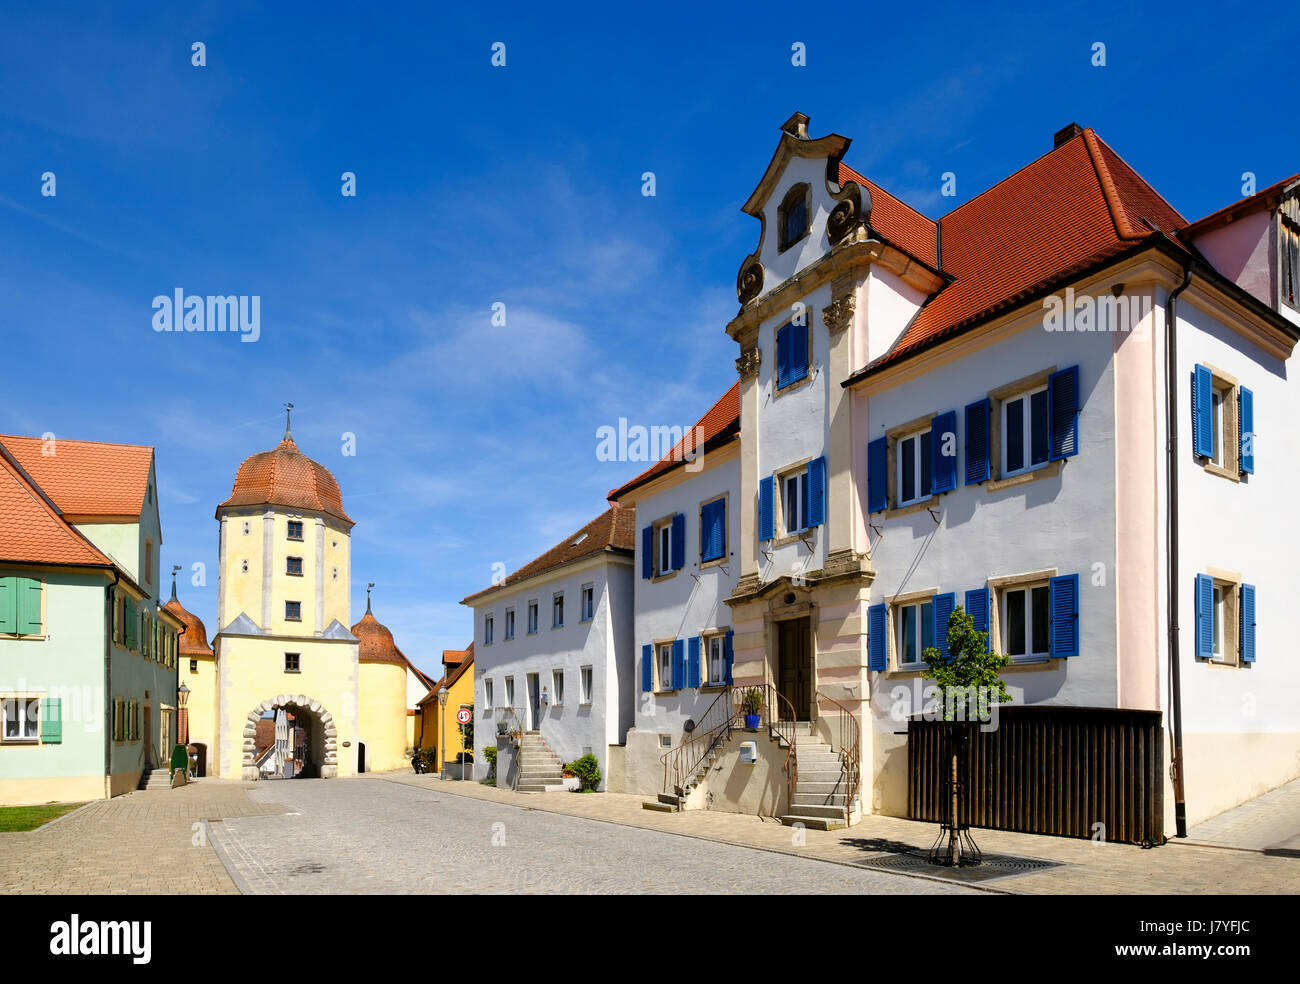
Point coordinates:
pixel 1049 770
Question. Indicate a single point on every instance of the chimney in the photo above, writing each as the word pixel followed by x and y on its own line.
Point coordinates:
pixel 1066 134
pixel 796 126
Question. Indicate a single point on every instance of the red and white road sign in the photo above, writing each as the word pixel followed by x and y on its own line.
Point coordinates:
pixel 463 715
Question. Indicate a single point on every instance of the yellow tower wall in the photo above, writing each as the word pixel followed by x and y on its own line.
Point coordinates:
pixel 252 671
pixel 202 704
pixel 383 716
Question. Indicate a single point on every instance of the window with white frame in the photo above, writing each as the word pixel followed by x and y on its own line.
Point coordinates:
pixel 487 631
pixel 794 501
pixel 664 548
pixel 22 719
pixel 915 624
pixel 914 479
pixel 487 694
pixel 532 617
pixel 510 623
pixel 557 610
pixel 510 691
pixel 664 665
pixel 588 602
pixel 557 688
pixel 1026 616
pixel 715 660
pixel 1026 433
pixel 585 676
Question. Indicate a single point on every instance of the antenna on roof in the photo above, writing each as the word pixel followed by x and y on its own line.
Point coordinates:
pixel 288 434
pixel 175 568
pixel 368 587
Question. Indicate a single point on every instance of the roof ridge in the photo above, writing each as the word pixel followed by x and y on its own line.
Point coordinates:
pixel 32 489
pixel 1001 181
pixel 81 440
pixel 1114 205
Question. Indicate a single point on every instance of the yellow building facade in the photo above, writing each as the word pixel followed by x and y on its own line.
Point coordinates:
pixel 283 607
pixel 437 728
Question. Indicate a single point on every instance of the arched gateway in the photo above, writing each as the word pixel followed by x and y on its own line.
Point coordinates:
pixel 322 750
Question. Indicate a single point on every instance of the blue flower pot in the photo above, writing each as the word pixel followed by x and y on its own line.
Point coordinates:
pixel 751 721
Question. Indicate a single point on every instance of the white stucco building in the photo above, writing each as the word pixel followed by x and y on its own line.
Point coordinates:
pixel 553 648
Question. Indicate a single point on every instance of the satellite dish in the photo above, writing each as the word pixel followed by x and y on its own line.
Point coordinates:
pixel 689 726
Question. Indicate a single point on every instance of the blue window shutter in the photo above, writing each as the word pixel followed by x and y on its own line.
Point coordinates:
pixel 693 663
pixel 944 466
pixel 876 658
pixel 1063 412
pixel 977 607
pixel 877 474
pixel 52 720
pixel 728 655
pixel 799 352
pixel 766 517
pixel 783 340
pixel 941 608
pixel 647 551
pixel 1246 410
pixel 647 669
pixel 977 442
pixel 679 541
pixel 29 606
pixel 1204 616
pixel 679 664
pixel 1063 605
pixel 1202 410
pixel 1248 623
pixel 817 492
pixel 9 604
pixel 719 544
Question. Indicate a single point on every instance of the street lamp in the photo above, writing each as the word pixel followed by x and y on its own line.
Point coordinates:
pixel 442 717
pixel 182 698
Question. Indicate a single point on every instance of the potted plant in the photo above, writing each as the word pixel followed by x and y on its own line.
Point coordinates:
pixel 752 705
pixel 503 729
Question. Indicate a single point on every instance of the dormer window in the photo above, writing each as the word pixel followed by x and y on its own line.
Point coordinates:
pixel 792 217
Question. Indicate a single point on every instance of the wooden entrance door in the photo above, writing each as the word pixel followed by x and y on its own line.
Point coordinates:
pixel 795 665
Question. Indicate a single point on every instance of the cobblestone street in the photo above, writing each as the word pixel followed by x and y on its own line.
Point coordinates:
pixel 376 836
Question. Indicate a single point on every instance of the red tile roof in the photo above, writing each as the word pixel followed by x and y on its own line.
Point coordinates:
pixel 194 637
pixel 720 423
pixel 284 476
pixel 1074 206
pixel 897 221
pixel 31 529
pixel 613 530
pixel 1264 198
pixel 86 478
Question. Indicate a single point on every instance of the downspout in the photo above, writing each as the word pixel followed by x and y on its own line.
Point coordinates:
pixel 1171 539
pixel 108 686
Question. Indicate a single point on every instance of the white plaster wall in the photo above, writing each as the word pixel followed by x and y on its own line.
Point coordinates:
pixel 681 606
pixel 573 727
pixel 1248 527
pixel 1240 251
pixel 1065 522
pixel 781 266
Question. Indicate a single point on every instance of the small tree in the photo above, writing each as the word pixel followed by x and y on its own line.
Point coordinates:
pixel 968 677
pixel 468 728
pixel 970 672
pixel 587 769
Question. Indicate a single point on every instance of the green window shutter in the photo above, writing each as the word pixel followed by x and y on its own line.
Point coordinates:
pixel 52 720
pixel 29 606
pixel 9 604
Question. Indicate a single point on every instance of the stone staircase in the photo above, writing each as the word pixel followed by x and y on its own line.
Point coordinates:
pixel 155 779
pixel 540 769
pixel 677 800
pixel 820 792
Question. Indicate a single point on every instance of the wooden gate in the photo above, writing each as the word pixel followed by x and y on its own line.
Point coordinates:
pixel 1050 770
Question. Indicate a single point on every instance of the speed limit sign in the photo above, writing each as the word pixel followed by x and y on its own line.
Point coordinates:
pixel 463 715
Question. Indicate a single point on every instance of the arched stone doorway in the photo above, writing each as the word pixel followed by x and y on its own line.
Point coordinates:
pixel 322 754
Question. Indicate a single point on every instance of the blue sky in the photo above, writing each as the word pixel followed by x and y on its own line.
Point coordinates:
pixel 475 443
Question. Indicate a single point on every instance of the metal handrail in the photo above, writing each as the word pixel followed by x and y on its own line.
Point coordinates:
pixel 850 749
pixel 782 729
pixel 715 725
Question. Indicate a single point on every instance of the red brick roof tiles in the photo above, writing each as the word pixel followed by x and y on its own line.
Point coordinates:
pixel 32 531
pixel 612 530
pixel 86 478
pixel 719 423
pixel 284 476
